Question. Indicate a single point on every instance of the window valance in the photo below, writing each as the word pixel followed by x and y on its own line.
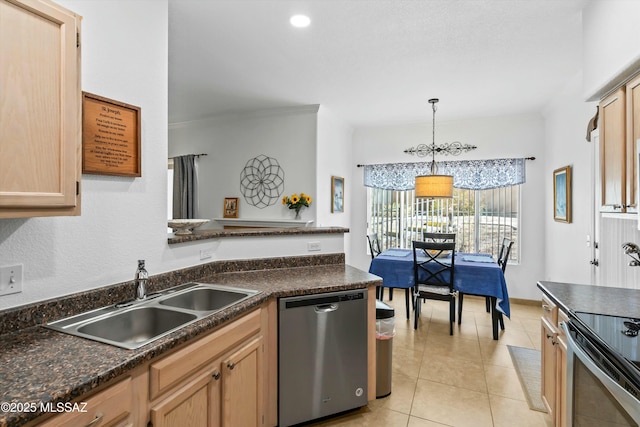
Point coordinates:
pixel 467 174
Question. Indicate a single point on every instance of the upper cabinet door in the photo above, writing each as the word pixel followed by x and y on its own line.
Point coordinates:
pixel 40 109
pixel 633 138
pixel 613 152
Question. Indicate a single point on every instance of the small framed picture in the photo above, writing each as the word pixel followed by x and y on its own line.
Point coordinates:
pixel 337 194
pixel 230 207
pixel 562 194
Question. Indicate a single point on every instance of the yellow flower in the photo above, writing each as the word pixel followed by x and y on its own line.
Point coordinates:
pixel 296 201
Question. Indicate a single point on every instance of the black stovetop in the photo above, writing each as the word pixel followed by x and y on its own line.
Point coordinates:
pixel 620 333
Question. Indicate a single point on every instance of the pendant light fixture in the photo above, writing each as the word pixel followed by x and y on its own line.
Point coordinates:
pixel 434 185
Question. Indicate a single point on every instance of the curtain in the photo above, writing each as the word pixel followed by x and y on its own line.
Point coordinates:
pixel 467 174
pixel 184 187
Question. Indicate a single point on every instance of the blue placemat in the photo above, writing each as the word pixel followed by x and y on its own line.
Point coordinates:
pixel 477 258
pixel 396 252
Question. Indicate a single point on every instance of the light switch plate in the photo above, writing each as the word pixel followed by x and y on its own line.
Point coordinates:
pixel 11 279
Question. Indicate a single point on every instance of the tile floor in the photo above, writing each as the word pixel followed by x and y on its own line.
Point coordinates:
pixel 462 380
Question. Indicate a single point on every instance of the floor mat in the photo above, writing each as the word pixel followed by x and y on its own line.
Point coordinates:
pixel 526 361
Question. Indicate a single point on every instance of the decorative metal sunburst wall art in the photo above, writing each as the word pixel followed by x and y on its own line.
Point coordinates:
pixel 262 181
pixel 453 148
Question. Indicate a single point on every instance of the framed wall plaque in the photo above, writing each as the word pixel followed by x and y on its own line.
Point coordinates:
pixel 110 137
pixel 230 207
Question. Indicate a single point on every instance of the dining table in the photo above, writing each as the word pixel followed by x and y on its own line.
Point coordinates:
pixel 474 274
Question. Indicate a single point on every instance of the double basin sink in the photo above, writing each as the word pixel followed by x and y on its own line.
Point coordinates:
pixel 136 323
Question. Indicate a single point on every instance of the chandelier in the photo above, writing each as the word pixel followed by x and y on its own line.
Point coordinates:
pixel 434 185
pixel 452 148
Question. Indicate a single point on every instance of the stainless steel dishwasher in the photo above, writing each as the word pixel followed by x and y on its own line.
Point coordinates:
pixel 322 355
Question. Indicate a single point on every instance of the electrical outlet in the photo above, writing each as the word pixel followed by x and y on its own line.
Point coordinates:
pixel 11 279
pixel 313 246
pixel 206 254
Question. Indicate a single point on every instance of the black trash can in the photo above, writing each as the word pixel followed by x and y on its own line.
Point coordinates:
pixel 385 330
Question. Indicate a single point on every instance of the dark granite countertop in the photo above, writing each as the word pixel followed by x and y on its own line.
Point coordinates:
pixel 255 232
pixel 593 299
pixel 41 365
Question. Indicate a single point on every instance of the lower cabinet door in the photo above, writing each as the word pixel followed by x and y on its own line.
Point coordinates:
pixel 191 405
pixel 242 400
pixel 549 367
pixel 561 401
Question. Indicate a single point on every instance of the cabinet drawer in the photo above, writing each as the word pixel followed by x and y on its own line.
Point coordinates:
pixel 549 310
pixel 171 370
pixel 109 407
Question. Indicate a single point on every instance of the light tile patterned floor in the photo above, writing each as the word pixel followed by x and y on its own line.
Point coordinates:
pixel 462 380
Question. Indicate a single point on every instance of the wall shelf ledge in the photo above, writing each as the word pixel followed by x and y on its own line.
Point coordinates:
pixel 262 223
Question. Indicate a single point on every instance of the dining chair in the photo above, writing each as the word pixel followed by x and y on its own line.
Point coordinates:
pixel 433 271
pixel 375 250
pixel 503 257
pixel 438 237
pixel 374 244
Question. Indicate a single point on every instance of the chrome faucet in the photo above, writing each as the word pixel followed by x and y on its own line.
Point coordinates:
pixel 633 251
pixel 141 278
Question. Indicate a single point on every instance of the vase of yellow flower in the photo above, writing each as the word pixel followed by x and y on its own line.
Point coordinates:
pixel 297 202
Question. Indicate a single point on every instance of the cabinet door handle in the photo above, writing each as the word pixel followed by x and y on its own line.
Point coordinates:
pixel 545 307
pixel 231 365
pixel 216 375
pixel 553 342
pixel 96 420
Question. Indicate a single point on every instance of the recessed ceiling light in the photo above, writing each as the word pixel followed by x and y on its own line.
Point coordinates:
pixel 300 21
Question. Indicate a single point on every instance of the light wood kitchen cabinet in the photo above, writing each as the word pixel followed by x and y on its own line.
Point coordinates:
pixel 192 404
pixel 561 373
pixel 242 381
pixel 633 135
pixel 619 132
pixel 40 109
pixel 111 407
pixel 554 362
pixel 216 381
pixel 613 171
pixel 549 367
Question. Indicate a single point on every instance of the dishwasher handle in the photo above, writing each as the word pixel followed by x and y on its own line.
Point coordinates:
pixel 322 301
pixel 326 308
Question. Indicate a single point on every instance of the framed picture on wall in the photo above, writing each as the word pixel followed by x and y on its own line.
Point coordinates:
pixel 562 194
pixel 230 207
pixel 337 194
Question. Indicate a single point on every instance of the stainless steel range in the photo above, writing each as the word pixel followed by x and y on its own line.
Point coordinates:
pixel 603 370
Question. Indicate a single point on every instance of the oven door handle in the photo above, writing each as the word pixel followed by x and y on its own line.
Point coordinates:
pixel 626 400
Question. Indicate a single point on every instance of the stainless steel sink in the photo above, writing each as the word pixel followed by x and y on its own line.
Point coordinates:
pixel 206 299
pixel 136 323
pixel 136 326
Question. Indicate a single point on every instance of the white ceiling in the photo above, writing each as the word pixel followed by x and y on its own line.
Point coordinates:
pixel 371 62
